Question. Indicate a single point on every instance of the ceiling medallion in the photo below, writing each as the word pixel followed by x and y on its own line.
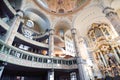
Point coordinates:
pixel 62 6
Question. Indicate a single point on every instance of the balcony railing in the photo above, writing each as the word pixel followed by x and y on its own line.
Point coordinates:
pixel 16 56
pixel 20 36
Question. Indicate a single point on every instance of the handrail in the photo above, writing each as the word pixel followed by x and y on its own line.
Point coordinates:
pixel 20 36
pixel 38 35
pixel 16 56
pixel 41 36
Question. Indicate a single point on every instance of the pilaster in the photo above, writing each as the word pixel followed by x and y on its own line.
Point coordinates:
pixel 78 56
pixel 51 42
pixel 13 29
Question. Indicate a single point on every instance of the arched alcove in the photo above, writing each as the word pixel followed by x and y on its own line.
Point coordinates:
pixel 61 27
pixel 39 18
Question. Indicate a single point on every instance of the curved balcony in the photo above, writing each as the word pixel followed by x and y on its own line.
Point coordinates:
pixel 16 56
pixel 21 37
pixel 35 35
pixel 41 37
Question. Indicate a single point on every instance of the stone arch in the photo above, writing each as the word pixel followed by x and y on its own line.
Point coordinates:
pixel 38 18
pixel 62 25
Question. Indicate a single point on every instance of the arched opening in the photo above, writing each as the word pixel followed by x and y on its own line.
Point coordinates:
pixel 61 10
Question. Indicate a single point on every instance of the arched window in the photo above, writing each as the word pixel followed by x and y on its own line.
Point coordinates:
pixel 30 23
pixel 61 32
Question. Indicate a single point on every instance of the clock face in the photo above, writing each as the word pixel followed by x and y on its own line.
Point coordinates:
pixel 30 23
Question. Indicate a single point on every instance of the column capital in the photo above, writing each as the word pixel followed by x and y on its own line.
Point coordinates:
pixel 51 31
pixel 20 13
pixel 73 30
pixel 113 17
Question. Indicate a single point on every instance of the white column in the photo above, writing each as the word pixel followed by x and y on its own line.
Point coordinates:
pixel 51 42
pixel 13 30
pixel 78 55
pixel 51 52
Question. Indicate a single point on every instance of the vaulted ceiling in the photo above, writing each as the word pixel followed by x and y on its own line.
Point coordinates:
pixel 81 13
pixel 93 13
pixel 62 6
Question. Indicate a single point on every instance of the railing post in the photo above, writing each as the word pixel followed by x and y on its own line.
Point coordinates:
pixel 2 48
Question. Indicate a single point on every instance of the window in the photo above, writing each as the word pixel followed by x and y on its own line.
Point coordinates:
pixel 24 47
pixel 61 32
pixel 28 34
pixel 30 23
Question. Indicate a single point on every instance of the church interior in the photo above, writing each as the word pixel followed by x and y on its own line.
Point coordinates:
pixel 59 40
